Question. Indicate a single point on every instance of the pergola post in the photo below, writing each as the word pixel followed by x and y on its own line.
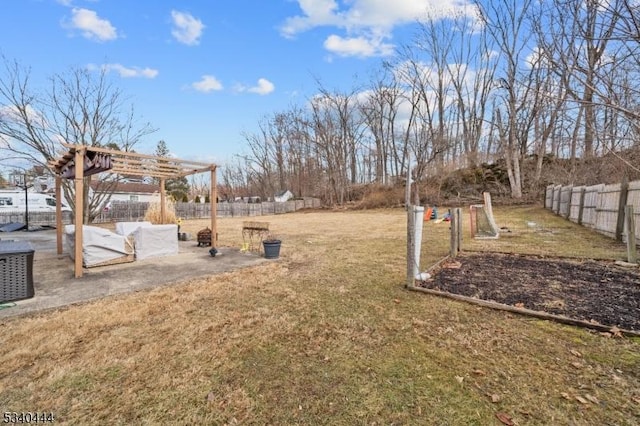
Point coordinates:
pixel 213 201
pixel 58 214
pixel 163 197
pixel 79 213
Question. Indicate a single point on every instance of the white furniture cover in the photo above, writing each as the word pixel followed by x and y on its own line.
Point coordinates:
pixel 98 245
pixel 155 240
pixel 127 228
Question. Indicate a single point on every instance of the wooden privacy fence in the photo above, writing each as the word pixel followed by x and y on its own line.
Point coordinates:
pixel 134 211
pixel 35 218
pixel 599 207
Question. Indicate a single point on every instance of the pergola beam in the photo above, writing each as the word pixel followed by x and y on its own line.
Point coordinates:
pixel 122 154
pixel 134 172
pixel 145 163
pixel 196 171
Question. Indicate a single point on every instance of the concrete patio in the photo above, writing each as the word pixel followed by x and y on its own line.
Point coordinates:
pixel 55 286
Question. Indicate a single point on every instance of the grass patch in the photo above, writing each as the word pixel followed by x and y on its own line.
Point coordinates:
pixel 325 335
pixel 532 230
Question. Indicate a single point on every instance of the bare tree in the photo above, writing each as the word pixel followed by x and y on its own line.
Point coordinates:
pixel 330 147
pixel 234 182
pixel 338 129
pixel 380 108
pixel 550 101
pixel 577 41
pixel 260 164
pixel 471 68
pixel 427 92
pixel 199 185
pixel 80 108
pixel 278 138
pixel 305 173
pixel 506 23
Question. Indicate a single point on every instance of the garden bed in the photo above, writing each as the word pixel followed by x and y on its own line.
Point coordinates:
pixel 597 292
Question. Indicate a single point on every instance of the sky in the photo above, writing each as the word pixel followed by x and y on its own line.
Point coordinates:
pixel 205 72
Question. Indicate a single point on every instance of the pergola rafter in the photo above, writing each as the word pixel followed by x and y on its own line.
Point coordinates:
pixel 80 161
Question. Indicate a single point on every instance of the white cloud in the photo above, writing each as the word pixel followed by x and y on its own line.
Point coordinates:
pixel 186 28
pixel 316 13
pixel 368 23
pixel 10 113
pixel 357 46
pixel 207 84
pixel 264 87
pixel 91 25
pixel 373 14
pixel 127 72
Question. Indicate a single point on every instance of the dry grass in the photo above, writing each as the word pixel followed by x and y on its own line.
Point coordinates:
pixel 325 335
pixel 154 212
pixel 530 230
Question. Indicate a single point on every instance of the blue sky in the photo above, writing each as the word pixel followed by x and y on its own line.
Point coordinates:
pixel 202 72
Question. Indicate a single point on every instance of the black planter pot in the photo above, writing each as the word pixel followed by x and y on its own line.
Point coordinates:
pixel 271 249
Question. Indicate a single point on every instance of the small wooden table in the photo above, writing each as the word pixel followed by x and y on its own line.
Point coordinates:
pixel 253 231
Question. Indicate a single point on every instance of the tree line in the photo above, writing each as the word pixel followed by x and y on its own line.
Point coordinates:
pixel 512 80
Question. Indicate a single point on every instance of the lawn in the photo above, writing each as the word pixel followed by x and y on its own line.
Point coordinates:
pixel 327 334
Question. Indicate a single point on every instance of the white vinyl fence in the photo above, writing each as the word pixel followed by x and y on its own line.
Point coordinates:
pixel 600 207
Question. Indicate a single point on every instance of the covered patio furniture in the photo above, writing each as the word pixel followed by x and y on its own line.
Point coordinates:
pixel 155 240
pixel 100 247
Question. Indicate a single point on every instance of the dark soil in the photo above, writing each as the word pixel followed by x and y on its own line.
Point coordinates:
pixel 584 290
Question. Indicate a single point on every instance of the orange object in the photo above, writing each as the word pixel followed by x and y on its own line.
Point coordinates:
pixel 427 214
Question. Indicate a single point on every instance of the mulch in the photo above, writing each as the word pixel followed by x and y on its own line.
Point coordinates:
pixel 587 290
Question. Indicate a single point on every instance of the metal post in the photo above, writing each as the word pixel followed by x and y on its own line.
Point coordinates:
pixel 26 202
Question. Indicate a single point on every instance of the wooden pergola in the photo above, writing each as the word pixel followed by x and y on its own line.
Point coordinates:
pixel 81 161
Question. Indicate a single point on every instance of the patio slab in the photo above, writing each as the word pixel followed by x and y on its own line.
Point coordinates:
pixel 55 286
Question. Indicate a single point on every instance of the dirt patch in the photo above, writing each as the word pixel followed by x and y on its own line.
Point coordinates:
pixel 585 290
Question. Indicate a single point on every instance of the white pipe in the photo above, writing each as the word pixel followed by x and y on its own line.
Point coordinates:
pixel 418 221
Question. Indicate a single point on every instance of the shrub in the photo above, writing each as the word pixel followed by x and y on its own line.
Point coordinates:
pixel 153 213
pixel 379 196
